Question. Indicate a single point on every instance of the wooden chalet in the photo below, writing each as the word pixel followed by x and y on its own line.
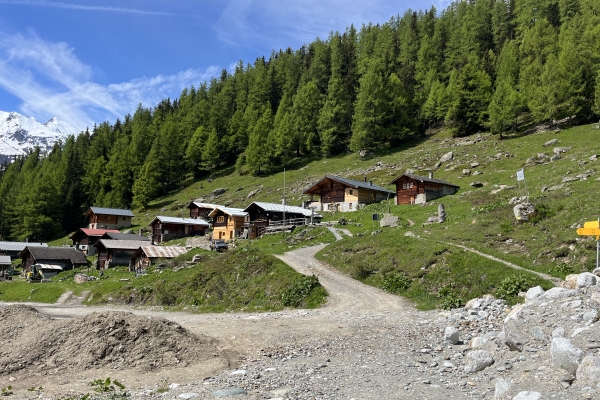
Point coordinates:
pixel 415 189
pixel 52 258
pixel 5 263
pixel 145 256
pixel 228 222
pixel 14 249
pixel 341 194
pixel 272 217
pixel 168 228
pixel 84 239
pixel 108 218
pixel 116 252
pixel 199 210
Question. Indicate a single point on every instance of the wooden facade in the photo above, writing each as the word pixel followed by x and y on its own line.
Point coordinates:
pixel 65 257
pixel 263 216
pixel 168 228
pixel 84 239
pixel 415 189
pixel 199 210
pixel 116 252
pixel 333 193
pixel 146 256
pixel 228 222
pixel 108 218
pixel 5 265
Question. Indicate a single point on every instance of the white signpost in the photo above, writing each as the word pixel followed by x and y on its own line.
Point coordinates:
pixel 521 177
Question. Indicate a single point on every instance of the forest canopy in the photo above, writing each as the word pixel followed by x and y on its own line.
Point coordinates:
pixel 477 65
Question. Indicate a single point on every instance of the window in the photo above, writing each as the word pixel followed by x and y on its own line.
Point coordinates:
pixel 220 219
pixel 351 191
pixel 350 205
pixel 407 185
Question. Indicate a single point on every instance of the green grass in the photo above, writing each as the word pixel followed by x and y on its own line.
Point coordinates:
pixel 281 242
pixel 429 273
pixel 245 279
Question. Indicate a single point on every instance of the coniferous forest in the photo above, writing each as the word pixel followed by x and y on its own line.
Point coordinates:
pixel 479 65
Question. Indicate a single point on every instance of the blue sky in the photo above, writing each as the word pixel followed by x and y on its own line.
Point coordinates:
pixel 94 61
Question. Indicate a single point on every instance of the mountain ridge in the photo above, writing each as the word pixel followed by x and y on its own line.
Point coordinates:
pixel 20 133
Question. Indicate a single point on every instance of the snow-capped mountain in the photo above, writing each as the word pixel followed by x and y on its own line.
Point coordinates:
pixel 19 133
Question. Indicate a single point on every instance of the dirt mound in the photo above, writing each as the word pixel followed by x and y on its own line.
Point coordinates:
pixel 34 343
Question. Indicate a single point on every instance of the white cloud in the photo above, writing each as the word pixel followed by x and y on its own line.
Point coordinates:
pixel 72 6
pixel 51 81
pixel 280 24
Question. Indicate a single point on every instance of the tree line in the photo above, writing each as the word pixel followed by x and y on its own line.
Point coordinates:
pixel 477 65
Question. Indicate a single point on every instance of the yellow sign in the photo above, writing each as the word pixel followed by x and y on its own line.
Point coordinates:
pixel 589 232
pixel 591 224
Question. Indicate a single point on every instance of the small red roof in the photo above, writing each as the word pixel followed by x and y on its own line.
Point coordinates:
pixel 95 232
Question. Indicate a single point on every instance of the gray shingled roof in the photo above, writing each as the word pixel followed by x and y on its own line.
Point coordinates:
pixel 356 184
pixel 180 221
pixel 19 246
pixel 236 212
pixel 122 244
pixel 111 211
pixel 5 260
pixel 280 208
pixel 163 251
pixel 124 236
pixel 58 253
pixel 425 179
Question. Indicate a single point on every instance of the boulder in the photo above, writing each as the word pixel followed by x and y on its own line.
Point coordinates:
pixel 512 337
pixel 524 211
pixel 389 220
pixel 550 143
pixel 474 164
pixel 555 157
pixel 565 355
pixel 588 372
pixel 218 191
pixel 451 335
pixel 478 360
pixel 502 387
pixel 253 193
pixel 476 184
pixel 570 281
pixel 558 150
pixel 586 279
pixel 559 293
pixel 466 171
pixel 533 294
pixel 447 157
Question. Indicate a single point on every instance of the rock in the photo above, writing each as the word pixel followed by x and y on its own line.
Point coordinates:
pixel 188 395
pixel 474 164
pixel 477 342
pixel 466 171
pixel 502 387
pixel 568 179
pixel 559 293
pixel 451 335
pixel 586 279
pixel 512 338
pixel 441 213
pixel 524 211
pixel 253 193
pixel 555 157
pixel 389 220
pixel 365 153
pixel 476 184
pixel 550 143
pixel 447 157
pixel 588 372
pixel 559 150
pixel 558 332
pixel 565 355
pixel 239 372
pixel 409 233
pixel 228 392
pixel 570 281
pixel 218 191
pixel 534 293
pixel 528 396
pixel 197 258
pixel 478 360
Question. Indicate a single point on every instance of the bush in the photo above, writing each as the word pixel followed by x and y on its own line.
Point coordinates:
pixel 512 286
pixel 303 286
pixel 394 283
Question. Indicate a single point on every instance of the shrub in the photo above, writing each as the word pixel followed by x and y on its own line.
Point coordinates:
pixel 395 283
pixel 512 286
pixel 300 290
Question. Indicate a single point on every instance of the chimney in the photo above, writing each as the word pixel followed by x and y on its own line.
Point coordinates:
pixel 370 183
pixel 365 179
pixel 430 174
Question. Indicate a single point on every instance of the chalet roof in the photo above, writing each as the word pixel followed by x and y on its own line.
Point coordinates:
pixel 179 221
pixel 274 207
pixel 109 211
pixel 202 205
pixel 425 179
pixel 19 246
pixel 93 232
pixel 5 260
pixel 56 253
pixel 162 251
pixel 121 244
pixel 124 236
pixel 234 212
pixel 353 184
